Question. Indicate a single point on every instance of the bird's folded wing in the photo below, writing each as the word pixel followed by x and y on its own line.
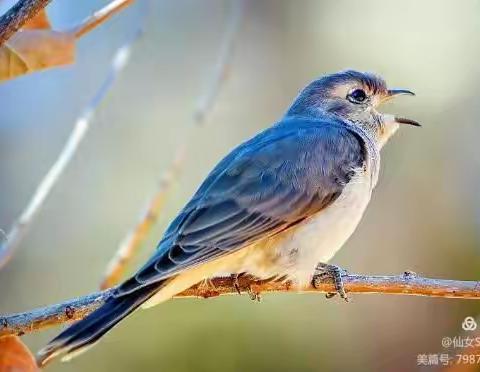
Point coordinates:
pixel 265 186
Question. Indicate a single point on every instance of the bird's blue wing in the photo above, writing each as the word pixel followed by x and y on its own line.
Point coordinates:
pixel 266 185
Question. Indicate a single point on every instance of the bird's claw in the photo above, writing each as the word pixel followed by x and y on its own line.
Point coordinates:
pixel 330 295
pixel 334 273
pixel 254 296
pixel 236 284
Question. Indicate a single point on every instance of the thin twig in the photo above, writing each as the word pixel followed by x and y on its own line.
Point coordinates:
pixel 132 242
pixel 134 239
pixel 18 15
pixel 99 17
pixel 20 227
pixel 406 284
pixel 213 86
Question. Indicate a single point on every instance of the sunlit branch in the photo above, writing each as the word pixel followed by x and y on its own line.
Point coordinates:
pixel 82 124
pixel 18 15
pixel 406 284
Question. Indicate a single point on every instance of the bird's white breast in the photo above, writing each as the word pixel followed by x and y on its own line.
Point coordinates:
pixel 318 238
pixel 293 253
pixel 322 235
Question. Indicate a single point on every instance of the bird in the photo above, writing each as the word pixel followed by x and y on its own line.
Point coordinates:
pixel 277 207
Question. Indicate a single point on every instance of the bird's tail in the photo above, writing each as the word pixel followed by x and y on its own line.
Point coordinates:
pixel 83 334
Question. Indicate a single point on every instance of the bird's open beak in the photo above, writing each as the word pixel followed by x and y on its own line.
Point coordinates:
pixel 407 121
pixel 397 92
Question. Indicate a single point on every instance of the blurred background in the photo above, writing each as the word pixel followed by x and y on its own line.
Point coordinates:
pixel 424 215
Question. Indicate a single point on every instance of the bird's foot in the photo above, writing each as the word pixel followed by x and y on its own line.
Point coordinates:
pixel 334 273
pixel 236 284
pixel 254 295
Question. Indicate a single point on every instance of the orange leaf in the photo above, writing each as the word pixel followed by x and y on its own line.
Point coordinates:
pixel 37 47
pixel 40 21
pixel 15 356
pixel 34 50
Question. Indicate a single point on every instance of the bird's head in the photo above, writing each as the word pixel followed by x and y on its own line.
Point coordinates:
pixel 353 96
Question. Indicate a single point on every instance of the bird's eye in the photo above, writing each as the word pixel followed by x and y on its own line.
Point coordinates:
pixel 357 96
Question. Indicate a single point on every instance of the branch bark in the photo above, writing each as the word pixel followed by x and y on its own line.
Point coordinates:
pixel 18 15
pixel 407 284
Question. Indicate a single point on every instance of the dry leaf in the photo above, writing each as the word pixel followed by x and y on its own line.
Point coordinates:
pixel 15 356
pixel 34 50
pixel 40 21
pixel 37 47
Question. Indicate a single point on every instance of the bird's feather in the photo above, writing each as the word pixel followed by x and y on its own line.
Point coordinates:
pixel 285 174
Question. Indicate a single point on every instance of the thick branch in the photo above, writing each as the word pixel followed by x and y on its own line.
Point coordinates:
pixel 17 15
pixel 406 284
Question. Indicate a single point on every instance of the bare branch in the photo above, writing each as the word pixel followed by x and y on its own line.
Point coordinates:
pixel 99 17
pixel 406 284
pixel 207 100
pixel 20 227
pixel 134 239
pixel 18 15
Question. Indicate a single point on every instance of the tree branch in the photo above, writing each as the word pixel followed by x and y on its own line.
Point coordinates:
pixel 99 17
pixel 406 284
pixel 132 242
pixel 18 15
pixel 82 124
